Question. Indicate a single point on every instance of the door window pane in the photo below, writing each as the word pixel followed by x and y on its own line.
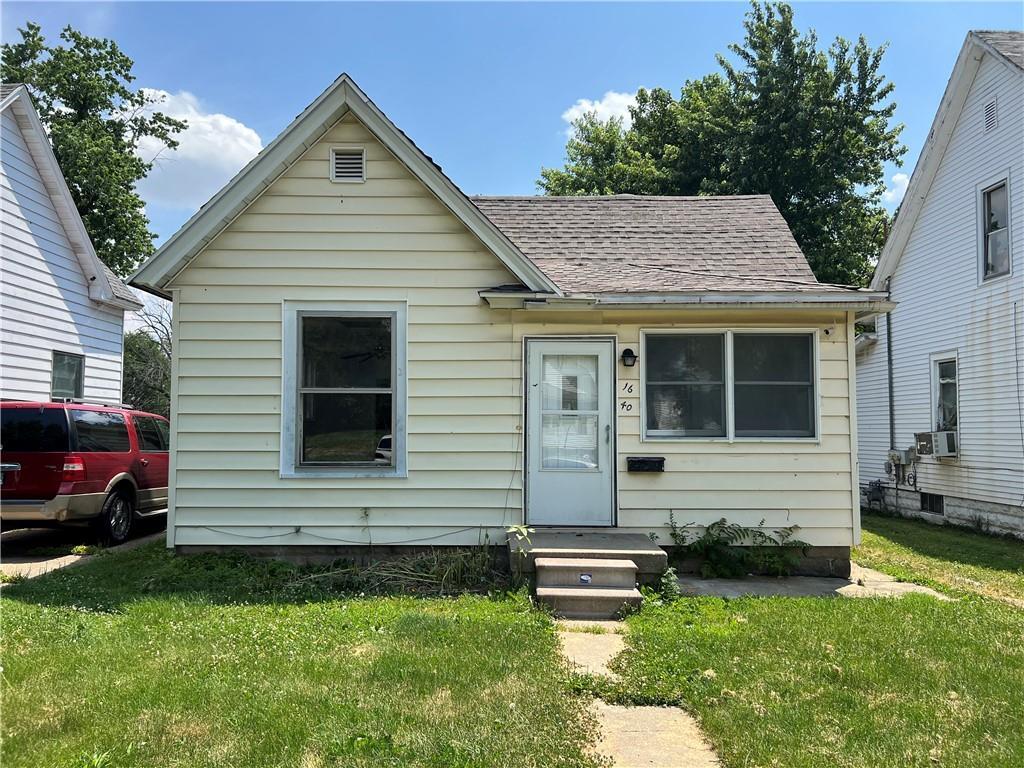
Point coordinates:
pixel 346 428
pixel 101 432
pixel 569 442
pixel 774 385
pixel 685 393
pixel 346 352
pixel 569 383
pixel 68 376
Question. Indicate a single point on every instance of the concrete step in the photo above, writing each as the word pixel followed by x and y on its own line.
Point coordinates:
pixel 585 572
pixel 650 559
pixel 588 602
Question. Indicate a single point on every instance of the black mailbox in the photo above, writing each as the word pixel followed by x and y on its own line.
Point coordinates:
pixel 645 463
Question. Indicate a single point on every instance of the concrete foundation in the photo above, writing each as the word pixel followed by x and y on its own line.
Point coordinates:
pixel 814 561
pixel 357 554
pixel 983 516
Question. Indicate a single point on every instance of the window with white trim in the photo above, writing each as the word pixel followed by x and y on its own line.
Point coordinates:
pixel 946 398
pixel 995 231
pixel 773 382
pixel 730 384
pixel 67 376
pixel 685 386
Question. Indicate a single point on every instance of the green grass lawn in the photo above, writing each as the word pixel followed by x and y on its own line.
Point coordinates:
pixel 865 683
pixel 210 661
pixel 954 560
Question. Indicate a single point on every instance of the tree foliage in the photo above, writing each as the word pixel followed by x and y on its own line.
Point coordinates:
pixel 95 119
pixel 811 128
pixel 147 363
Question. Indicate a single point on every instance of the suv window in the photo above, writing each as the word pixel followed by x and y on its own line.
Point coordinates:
pixel 149 435
pixel 101 432
pixel 33 430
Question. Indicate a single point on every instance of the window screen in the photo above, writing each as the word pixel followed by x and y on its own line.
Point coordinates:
pixel 346 389
pixel 685 393
pixel 774 385
pixel 101 432
pixel 67 380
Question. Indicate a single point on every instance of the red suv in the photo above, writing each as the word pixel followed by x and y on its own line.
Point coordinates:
pixel 68 464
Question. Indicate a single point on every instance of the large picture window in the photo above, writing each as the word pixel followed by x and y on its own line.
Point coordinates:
pixel 730 384
pixel 685 386
pixel 344 393
pixel 346 389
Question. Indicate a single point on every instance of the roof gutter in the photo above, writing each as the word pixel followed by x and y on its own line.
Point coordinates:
pixel 865 303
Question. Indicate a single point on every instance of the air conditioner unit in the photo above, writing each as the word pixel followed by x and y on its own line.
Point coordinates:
pixel 936 443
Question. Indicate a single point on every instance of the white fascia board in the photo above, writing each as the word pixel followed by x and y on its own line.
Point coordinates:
pixel 859 301
pixel 953 99
pixel 100 290
pixel 340 98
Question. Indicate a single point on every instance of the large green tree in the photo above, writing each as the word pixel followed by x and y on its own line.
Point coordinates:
pixel 96 119
pixel 811 128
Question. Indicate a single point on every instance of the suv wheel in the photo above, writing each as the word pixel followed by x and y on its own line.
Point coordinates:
pixel 116 518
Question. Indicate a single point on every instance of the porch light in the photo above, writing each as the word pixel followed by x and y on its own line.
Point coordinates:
pixel 628 357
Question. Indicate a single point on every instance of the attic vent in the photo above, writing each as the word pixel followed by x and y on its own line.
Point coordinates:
pixel 347 164
pixel 990 115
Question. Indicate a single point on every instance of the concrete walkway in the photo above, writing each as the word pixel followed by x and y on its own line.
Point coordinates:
pixel 17 556
pixel 863 582
pixel 633 737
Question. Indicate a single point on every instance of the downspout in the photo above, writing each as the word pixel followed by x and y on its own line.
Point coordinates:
pixel 888 354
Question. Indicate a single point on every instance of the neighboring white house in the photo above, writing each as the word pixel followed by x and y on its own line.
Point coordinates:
pixel 363 354
pixel 61 309
pixel 953 265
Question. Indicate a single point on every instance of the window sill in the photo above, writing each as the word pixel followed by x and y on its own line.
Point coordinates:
pixel 341 473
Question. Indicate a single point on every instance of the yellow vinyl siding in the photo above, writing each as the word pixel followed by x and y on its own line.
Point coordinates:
pixel 389 239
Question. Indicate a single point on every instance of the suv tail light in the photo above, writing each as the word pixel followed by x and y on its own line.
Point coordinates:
pixel 74 469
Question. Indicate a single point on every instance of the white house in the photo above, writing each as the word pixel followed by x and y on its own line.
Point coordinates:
pixel 61 309
pixel 364 355
pixel 949 357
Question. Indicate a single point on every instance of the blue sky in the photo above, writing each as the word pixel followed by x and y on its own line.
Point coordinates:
pixel 482 88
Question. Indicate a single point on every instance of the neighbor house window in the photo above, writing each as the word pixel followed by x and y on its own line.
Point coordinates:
pixel 729 384
pixel 946 406
pixel 995 231
pixel 346 395
pixel 685 387
pixel 67 379
pixel 774 385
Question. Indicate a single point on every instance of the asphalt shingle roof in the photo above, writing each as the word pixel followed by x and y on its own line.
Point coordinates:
pixel 1009 43
pixel 6 89
pixel 119 288
pixel 635 244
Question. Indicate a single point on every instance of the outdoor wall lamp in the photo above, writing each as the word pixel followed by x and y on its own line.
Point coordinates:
pixel 628 357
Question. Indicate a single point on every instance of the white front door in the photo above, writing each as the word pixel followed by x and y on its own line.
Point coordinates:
pixel 570 432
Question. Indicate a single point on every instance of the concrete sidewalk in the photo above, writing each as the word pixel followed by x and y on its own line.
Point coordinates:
pixel 18 560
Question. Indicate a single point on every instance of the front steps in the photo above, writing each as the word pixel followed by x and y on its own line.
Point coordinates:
pixel 588 574
pixel 582 588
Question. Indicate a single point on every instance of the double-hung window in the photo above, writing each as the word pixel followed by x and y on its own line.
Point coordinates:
pixel 730 385
pixel 995 231
pixel 344 412
pixel 946 404
pixel 67 376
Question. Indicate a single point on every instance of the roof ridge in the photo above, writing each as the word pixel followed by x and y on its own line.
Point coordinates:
pixel 564 198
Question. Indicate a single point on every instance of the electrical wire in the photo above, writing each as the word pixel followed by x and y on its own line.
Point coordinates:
pixel 336 539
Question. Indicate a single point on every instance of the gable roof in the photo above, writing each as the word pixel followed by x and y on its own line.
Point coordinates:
pixel 342 97
pixel 1007 48
pixel 639 244
pixel 104 286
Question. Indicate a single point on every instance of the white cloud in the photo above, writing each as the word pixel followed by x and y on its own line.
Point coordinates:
pixel 210 151
pixel 893 195
pixel 612 104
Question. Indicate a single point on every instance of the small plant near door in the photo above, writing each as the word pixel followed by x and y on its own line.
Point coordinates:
pixel 521 535
pixel 731 551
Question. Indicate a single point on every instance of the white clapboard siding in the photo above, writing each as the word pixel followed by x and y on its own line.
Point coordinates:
pixel 44 297
pixel 942 308
pixel 388 239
